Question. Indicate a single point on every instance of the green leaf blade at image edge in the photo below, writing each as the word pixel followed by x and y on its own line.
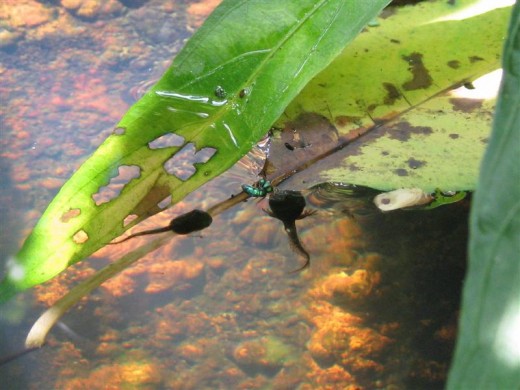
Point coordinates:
pixel 260 68
pixel 388 68
pixel 487 354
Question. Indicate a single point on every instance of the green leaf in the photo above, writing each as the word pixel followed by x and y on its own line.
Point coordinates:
pixel 397 68
pixel 222 93
pixel 487 355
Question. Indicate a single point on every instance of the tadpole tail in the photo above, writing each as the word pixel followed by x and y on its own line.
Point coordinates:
pixel 297 246
pixel 144 233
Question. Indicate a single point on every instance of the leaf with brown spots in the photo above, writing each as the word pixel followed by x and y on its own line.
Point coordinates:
pixel 387 97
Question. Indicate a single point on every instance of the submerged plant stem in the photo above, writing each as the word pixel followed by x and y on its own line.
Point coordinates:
pixel 42 326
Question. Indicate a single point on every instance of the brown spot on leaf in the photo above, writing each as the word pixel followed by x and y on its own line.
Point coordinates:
pixel 344 120
pixel 474 59
pixel 454 136
pixel 454 64
pixel 414 164
pixel 155 200
pixel 466 105
pixel 310 135
pixel 392 93
pixel 395 41
pixel 421 77
pixel 403 130
pixel 401 172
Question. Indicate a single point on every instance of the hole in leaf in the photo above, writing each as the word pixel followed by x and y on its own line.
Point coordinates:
pixel 166 141
pixel 119 131
pixel 80 237
pixel 165 202
pixel 68 215
pixel 15 270
pixel 182 164
pixel 129 219
pixel 112 190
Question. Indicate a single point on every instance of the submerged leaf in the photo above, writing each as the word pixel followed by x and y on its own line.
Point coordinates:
pixel 223 91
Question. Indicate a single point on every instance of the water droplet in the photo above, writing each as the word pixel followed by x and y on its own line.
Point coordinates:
pixel 220 92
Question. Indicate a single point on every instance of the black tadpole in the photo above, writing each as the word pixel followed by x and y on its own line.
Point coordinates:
pixel 190 222
pixel 288 206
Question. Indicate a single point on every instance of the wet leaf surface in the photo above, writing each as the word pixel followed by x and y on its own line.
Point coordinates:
pixel 383 87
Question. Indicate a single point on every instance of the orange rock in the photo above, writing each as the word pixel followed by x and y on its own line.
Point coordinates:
pixel 119 285
pixel 340 338
pixel 61 27
pixel 165 274
pixel 105 348
pixel 71 4
pixel 22 135
pixel 24 13
pixel 190 351
pixel 197 12
pixel 8 38
pixel 20 173
pixel 51 183
pixel 344 286
pixel 91 9
pixel 333 377
pixel 447 332
pixel 265 231
pixel 110 335
pixel 116 376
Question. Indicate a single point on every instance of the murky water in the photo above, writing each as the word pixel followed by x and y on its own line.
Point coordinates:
pixel 377 308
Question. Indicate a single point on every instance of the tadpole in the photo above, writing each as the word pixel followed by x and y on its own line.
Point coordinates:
pixel 288 206
pixel 189 222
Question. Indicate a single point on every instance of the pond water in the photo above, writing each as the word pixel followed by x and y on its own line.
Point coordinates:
pixel 376 309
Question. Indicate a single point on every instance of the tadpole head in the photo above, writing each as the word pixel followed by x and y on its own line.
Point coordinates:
pixel 190 222
pixel 286 205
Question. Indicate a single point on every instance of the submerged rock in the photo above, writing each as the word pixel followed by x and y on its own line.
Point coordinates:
pixel 265 355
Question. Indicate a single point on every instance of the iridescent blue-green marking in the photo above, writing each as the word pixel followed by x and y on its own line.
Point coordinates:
pixel 258 190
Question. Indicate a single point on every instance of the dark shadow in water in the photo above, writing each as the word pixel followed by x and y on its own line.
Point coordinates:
pixel 422 276
pixel 10 206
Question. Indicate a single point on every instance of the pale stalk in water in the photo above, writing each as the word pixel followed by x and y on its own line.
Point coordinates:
pixel 42 326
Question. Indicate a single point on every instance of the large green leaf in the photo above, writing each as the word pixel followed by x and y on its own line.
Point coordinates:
pixel 223 91
pixel 488 348
pixel 398 67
